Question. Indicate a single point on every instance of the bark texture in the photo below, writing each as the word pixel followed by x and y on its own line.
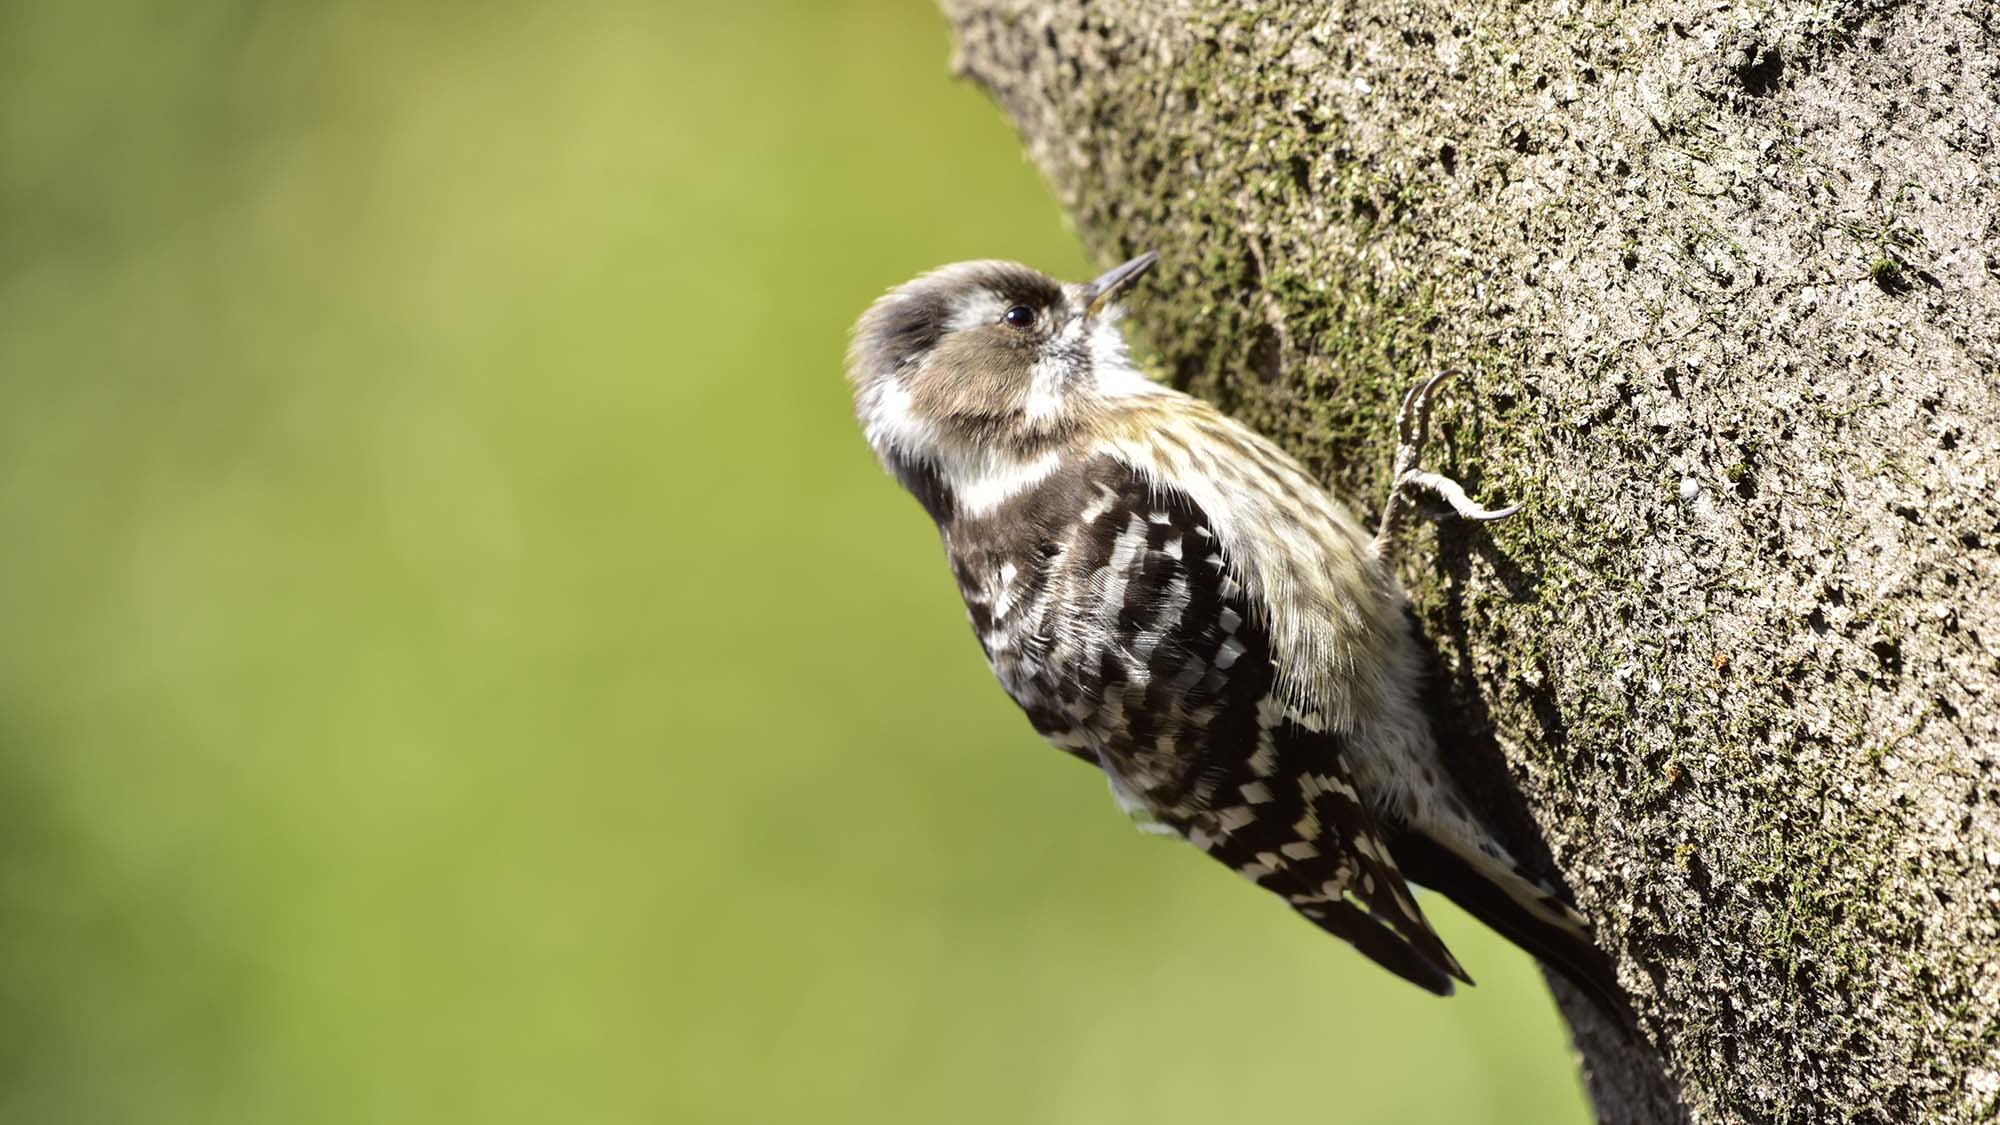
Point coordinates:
pixel 1726 283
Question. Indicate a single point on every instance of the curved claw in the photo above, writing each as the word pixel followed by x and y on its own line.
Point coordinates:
pixel 1413 421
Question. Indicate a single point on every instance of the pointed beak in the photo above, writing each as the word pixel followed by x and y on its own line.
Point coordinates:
pixel 1100 293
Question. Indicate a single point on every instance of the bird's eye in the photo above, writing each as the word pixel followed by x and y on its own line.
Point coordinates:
pixel 1020 316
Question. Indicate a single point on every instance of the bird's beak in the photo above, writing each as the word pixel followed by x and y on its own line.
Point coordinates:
pixel 1100 293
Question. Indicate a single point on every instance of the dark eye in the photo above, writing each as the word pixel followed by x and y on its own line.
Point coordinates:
pixel 1020 316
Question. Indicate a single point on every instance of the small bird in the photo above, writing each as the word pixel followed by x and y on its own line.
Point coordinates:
pixel 1174 600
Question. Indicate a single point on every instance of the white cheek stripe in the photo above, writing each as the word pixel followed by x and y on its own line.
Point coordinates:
pixel 889 422
pixel 981 486
pixel 978 483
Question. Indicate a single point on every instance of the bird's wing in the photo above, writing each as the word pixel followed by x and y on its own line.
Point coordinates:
pixel 1291 821
pixel 1175 663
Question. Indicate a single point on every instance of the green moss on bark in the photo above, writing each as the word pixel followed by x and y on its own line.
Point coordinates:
pixel 1741 647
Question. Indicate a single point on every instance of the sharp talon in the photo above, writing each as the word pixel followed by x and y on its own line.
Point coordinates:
pixel 1407 414
pixel 1413 422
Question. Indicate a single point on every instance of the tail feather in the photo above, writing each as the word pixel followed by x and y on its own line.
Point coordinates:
pixel 1518 909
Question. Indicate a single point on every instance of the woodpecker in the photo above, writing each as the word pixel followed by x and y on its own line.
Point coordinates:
pixel 1174 600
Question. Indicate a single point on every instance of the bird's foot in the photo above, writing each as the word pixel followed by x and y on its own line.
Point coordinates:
pixel 1413 425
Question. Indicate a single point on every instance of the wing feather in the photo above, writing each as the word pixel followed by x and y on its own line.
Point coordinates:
pixel 1167 663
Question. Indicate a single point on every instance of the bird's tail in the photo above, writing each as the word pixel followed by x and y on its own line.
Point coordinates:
pixel 1518 907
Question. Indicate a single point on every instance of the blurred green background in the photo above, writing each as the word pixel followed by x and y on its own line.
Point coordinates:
pixel 462 663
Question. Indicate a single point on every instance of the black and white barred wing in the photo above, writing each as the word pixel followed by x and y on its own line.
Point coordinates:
pixel 1302 832
pixel 1165 667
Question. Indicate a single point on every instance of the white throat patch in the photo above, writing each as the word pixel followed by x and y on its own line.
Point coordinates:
pixel 1049 378
pixel 1111 363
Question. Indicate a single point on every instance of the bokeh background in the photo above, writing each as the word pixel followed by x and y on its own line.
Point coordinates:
pixel 461 663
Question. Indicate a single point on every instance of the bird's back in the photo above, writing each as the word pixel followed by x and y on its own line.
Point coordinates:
pixel 1110 611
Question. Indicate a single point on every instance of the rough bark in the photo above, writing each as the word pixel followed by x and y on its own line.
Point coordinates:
pixel 1726 281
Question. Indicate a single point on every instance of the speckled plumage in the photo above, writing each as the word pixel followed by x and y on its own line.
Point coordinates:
pixel 1172 598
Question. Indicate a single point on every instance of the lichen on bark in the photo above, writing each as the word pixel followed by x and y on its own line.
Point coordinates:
pixel 1726 280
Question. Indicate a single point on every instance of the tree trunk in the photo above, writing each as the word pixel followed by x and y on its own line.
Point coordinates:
pixel 1725 281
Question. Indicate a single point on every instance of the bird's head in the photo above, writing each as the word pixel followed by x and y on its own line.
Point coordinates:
pixel 990 363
